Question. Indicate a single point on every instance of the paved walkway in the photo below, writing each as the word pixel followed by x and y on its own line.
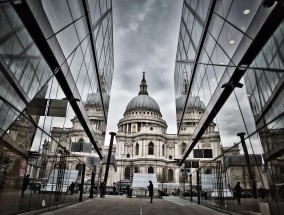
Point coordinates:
pixel 120 205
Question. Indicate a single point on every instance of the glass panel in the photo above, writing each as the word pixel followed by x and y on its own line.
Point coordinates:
pixel 242 12
pixel 68 40
pixel 76 7
pixel 57 13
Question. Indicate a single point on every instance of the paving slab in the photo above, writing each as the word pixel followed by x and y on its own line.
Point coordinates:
pixel 120 205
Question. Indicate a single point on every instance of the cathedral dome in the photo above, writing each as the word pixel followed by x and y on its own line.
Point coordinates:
pixel 193 102
pixel 94 99
pixel 143 101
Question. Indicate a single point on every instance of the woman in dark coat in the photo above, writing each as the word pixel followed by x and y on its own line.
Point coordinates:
pixel 150 187
pixel 238 192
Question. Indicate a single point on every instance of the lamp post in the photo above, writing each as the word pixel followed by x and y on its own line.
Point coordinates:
pixel 120 182
pixel 190 182
pixel 198 186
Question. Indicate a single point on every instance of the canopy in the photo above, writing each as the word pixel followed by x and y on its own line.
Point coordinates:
pixel 141 180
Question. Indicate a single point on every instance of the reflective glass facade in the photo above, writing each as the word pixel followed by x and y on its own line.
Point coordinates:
pixel 230 57
pixel 56 64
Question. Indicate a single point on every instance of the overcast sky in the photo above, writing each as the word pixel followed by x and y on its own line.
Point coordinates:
pixel 145 39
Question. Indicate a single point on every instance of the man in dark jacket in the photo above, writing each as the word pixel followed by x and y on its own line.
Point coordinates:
pixel 25 183
pixel 151 189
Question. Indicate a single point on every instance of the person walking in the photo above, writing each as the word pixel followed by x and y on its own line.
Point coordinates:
pixel 72 186
pixel 151 189
pixel 178 192
pixel 128 190
pixel 25 183
pixel 238 192
pixel 102 188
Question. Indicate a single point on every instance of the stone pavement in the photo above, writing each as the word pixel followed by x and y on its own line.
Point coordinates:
pixel 120 205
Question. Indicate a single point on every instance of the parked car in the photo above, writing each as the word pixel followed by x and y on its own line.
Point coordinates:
pixel 94 191
pixel 163 193
pixel 246 195
pixel 35 185
pixel 188 193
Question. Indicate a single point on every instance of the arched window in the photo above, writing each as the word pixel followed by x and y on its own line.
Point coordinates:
pixel 183 146
pixel 79 167
pixel 81 144
pixel 151 149
pixel 137 149
pixel 127 172
pixel 133 128
pixel 163 150
pixel 136 169
pixel 150 170
pixel 127 155
pixel 170 175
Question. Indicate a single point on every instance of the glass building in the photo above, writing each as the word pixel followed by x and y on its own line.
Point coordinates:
pixel 56 64
pixel 231 56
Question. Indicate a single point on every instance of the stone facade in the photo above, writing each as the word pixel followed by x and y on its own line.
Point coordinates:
pixel 143 145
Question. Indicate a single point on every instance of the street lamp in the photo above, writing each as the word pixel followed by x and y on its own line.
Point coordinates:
pixel 120 183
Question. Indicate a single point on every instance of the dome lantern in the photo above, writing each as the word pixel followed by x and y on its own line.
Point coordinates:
pixel 143 102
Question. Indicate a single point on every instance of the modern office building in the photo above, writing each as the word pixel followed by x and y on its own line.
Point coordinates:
pixel 55 58
pixel 56 69
pixel 232 54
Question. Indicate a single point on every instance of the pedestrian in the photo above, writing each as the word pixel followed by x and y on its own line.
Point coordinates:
pixel 151 189
pixel 262 192
pixel 114 191
pixel 25 183
pixel 160 194
pixel 128 190
pixel 102 188
pixel 238 191
pixel 178 192
pixel 72 186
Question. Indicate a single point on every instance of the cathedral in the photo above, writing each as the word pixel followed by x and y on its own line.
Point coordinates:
pixel 143 145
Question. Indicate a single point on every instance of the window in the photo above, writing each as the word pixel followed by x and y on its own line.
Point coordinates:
pixel 128 155
pixel 79 167
pixel 207 153
pixel 202 153
pixel 133 128
pixel 195 164
pixel 150 170
pixel 183 146
pixel 170 175
pixel 197 153
pixel 127 173
pixel 163 150
pixel 136 169
pixel 137 149
pixel 151 149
